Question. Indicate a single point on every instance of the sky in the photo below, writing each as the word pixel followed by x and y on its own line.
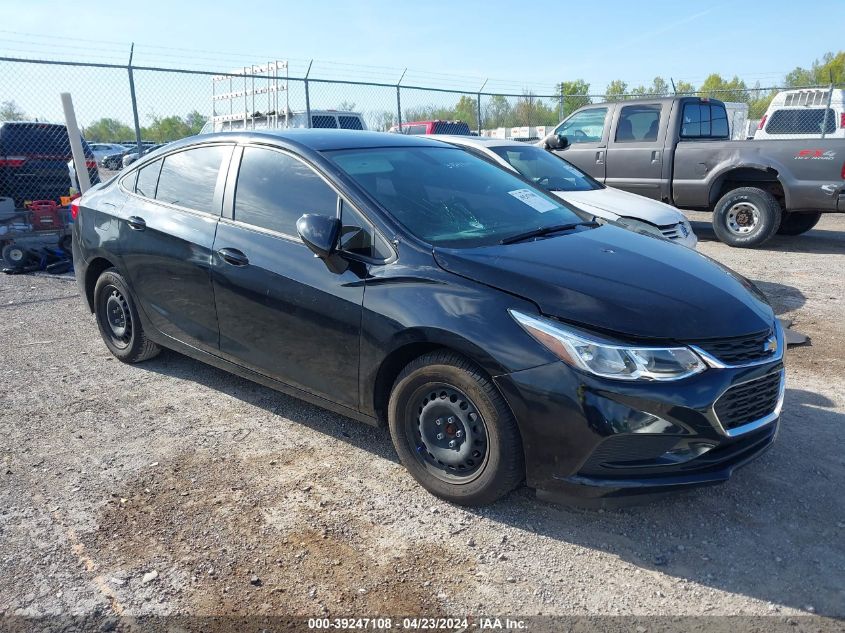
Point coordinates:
pixel 512 46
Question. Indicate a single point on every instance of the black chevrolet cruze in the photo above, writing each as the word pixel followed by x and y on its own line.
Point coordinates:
pixel 500 335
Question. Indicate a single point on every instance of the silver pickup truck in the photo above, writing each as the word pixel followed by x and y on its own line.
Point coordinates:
pixel 677 150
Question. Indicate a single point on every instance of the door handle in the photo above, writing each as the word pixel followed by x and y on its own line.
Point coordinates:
pixel 135 223
pixel 655 156
pixel 600 157
pixel 233 256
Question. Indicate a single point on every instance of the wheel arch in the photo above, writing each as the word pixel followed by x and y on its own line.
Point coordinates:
pixel 93 271
pixel 413 344
pixel 761 176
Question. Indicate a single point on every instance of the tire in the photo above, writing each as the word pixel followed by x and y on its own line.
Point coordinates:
pixel 746 217
pixel 117 319
pixel 15 257
pixel 798 223
pixel 442 398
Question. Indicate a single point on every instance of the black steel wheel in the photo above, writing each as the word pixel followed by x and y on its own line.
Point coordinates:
pixel 118 321
pixel 15 257
pixel 453 430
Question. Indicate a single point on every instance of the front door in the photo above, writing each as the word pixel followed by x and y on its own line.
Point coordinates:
pixel 586 133
pixel 282 312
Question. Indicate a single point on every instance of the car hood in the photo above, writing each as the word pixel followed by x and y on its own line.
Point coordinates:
pixel 619 281
pixel 611 203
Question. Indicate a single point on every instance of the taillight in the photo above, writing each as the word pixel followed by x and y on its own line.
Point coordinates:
pixel 842 173
pixel 12 161
pixel 842 120
pixel 74 208
pixel 91 164
pixel 761 123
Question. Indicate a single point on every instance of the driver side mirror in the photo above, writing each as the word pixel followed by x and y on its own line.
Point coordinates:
pixel 554 141
pixel 320 233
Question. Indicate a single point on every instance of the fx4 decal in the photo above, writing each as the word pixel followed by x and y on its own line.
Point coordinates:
pixel 815 154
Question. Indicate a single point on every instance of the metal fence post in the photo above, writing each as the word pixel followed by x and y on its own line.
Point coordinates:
pixel 399 101
pixel 308 95
pixel 827 108
pixel 134 100
pixel 478 105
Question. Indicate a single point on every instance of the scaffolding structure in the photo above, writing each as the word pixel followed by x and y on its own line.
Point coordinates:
pixel 237 97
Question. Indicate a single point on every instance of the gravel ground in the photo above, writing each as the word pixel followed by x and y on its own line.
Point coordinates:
pixel 171 487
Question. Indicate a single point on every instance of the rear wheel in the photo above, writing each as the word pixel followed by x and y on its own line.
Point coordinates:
pixel 798 223
pixel 746 217
pixel 117 319
pixel 453 430
pixel 15 257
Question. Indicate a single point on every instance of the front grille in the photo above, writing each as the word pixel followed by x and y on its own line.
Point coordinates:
pixel 749 401
pixel 673 231
pixel 739 349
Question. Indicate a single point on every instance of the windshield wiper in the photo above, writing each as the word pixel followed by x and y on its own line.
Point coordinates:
pixel 544 230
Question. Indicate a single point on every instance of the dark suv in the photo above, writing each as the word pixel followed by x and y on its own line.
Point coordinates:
pixel 34 161
pixel 499 334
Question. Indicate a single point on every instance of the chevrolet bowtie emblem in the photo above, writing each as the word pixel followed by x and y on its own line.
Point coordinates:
pixel 771 345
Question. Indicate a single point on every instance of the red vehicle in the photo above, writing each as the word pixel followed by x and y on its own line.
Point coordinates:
pixel 431 127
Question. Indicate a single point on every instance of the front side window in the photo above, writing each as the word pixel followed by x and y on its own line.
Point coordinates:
pixel 586 126
pixel 147 179
pixel 448 197
pixel 545 169
pixel 704 120
pixel 188 178
pixel 638 123
pixel 274 190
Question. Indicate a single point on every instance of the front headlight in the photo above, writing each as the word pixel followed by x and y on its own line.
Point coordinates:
pixel 633 224
pixel 608 359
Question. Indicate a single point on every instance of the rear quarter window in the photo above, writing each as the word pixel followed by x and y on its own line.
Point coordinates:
pixel 189 178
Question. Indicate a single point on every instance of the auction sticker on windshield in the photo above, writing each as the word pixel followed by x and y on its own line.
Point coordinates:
pixel 533 200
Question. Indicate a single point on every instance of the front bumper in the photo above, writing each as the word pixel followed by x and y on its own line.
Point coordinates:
pixel 585 436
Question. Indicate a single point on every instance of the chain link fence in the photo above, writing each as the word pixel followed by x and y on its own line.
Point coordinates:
pixel 141 107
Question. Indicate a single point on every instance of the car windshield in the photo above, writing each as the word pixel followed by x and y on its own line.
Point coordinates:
pixel 449 197
pixel 545 169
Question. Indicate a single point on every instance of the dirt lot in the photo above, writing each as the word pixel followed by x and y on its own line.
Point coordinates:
pixel 173 488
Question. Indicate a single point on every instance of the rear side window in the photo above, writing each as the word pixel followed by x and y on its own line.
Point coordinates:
pixel 804 121
pixel 147 180
pixel 638 123
pixel 274 190
pixel 704 120
pixel 350 122
pixel 189 178
pixel 323 121
pixel 450 127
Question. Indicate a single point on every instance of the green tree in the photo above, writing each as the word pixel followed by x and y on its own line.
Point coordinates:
pixel 174 127
pixel 467 110
pixel 574 94
pixel 9 111
pixel 759 100
pixel 830 69
pixel 381 121
pixel 658 88
pixel 107 130
pixel 684 88
pixel 497 112
pixel 195 120
pixel 615 90
pixel 718 88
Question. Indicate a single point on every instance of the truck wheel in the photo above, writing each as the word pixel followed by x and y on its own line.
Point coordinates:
pixel 798 223
pixel 15 257
pixel 453 430
pixel 746 217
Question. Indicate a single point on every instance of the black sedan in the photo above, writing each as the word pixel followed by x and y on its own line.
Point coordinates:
pixel 500 335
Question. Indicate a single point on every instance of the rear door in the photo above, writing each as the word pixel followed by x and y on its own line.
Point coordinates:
pixel 586 132
pixel 635 152
pixel 282 312
pixel 167 231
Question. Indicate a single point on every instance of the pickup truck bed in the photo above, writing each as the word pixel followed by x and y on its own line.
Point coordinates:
pixel 676 150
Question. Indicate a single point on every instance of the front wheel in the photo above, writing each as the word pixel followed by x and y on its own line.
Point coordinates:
pixel 117 319
pixel 453 430
pixel 798 223
pixel 746 217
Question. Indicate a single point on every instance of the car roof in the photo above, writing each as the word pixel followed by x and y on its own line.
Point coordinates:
pixel 320 139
